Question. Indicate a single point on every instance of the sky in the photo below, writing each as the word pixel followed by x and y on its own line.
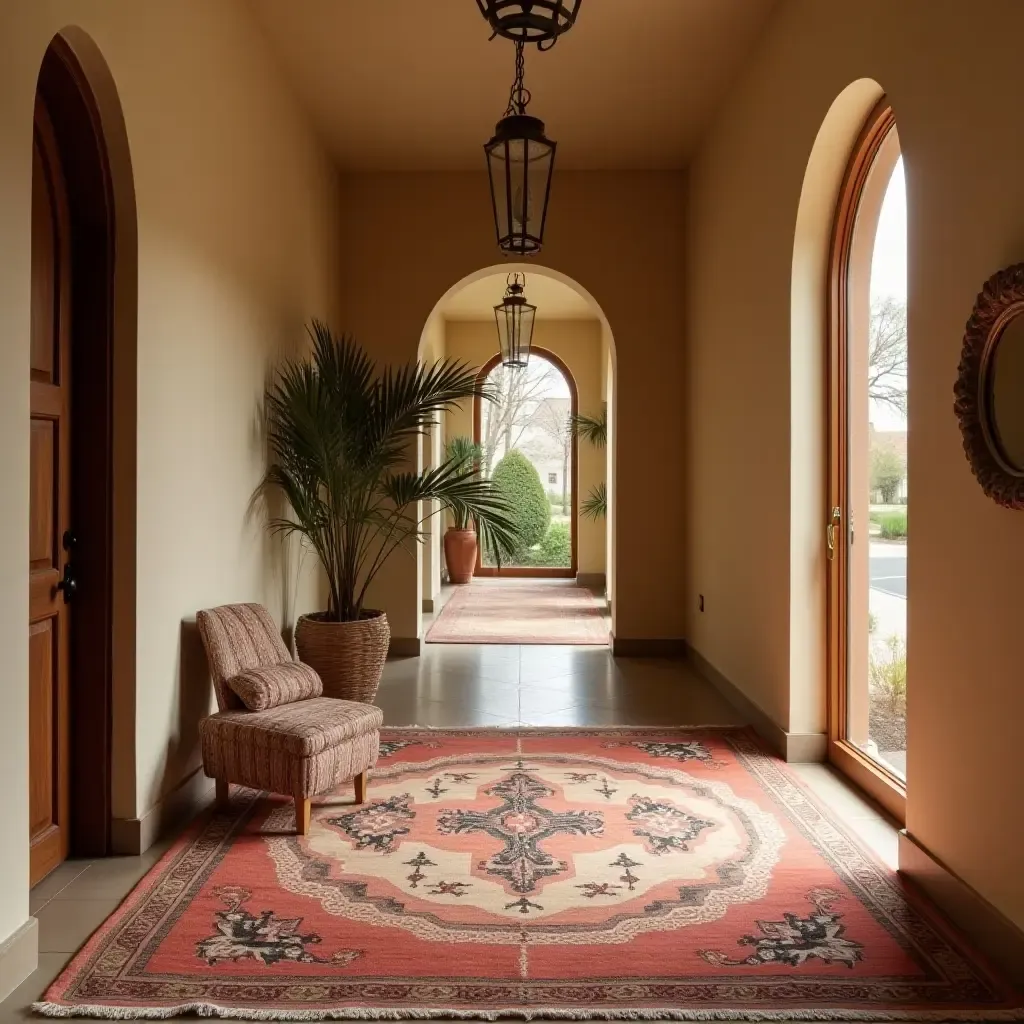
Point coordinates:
pixel 889 271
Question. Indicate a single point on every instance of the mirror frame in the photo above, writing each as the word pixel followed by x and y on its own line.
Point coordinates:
pixel 1000 301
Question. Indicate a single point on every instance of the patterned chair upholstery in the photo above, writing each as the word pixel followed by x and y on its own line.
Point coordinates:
pixel 301 748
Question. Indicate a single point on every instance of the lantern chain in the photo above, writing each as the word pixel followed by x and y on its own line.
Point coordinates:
pixel 519 96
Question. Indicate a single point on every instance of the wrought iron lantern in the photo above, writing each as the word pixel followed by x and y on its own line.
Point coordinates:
pixel 520 160
pixel 530 21
pixel 514 317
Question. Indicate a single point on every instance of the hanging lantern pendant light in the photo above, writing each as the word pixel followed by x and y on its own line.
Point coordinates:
pixel 514 317
pixel 530 21
pixel 520 161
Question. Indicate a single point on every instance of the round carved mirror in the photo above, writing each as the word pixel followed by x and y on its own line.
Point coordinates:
pixel 990 388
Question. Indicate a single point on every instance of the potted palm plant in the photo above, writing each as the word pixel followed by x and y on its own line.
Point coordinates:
pixel 338 434
pixel 460 539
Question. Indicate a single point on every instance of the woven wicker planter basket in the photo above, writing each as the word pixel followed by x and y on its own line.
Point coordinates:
pixel 348 656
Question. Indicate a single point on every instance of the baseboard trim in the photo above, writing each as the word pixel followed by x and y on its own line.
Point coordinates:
pixel 643 647
pixel 799 747
pixel 591 580
pixel 428 606
pixel 19 956
pixel 986 926
pixel 132 836
pixel 405 647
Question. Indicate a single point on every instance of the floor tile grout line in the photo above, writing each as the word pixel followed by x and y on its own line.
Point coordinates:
pixel 74 877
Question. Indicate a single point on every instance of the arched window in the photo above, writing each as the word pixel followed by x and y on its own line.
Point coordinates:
pixel 526 437
pixel 868 472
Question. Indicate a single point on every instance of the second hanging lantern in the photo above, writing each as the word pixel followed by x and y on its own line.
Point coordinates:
pixel 514 317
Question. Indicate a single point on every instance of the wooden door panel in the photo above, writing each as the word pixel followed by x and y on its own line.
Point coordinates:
pixel 42 513
pixel 41 731
pixel 44 349
pixel 49 507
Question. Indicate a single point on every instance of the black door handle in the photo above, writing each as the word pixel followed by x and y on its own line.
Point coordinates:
pixel 69 584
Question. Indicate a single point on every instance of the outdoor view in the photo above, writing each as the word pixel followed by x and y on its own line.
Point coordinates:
pixel 526 442
pixel 886 663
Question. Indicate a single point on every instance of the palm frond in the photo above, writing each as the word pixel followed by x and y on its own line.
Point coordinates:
pixel 466 452
pixel 595 504
pixel 592 428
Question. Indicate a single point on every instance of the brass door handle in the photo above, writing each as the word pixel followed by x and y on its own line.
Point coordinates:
pixel 830 531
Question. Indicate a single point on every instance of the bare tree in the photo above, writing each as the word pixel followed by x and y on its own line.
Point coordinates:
pixel 507 418
pixel 887 353
pixel 557 424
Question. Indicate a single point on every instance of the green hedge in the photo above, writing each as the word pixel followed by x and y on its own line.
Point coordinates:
pixel 518 480
pixel 554 549
pixel 893 524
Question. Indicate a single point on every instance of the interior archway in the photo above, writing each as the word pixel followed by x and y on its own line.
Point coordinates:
pixel 471 300
pixel 823 176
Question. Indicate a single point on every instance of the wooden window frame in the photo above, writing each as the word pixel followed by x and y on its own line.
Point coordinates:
pixel 538 572
pixel 881 784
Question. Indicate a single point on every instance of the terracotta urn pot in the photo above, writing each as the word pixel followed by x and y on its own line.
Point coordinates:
pixel 460 554
pixel 348 656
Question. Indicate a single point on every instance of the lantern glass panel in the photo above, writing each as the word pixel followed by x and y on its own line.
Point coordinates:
pixel 520 174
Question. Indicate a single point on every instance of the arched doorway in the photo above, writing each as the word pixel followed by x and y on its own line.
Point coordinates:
pixel 571 327
pixel 72 468
pixel 532 422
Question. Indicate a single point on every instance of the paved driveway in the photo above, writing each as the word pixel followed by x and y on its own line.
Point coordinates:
pixel 888 570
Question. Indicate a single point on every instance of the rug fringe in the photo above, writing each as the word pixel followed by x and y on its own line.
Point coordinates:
pixel 416 1013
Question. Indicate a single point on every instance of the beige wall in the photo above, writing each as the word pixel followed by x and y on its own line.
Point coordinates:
pixel 432 350
pixel 409 238
pixel 236 248
pixel 578 344
pixel 964 164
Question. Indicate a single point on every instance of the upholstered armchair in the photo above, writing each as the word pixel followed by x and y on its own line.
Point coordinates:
pixel 273 729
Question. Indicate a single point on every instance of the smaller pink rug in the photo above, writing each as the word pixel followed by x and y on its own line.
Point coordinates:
pixel 519 613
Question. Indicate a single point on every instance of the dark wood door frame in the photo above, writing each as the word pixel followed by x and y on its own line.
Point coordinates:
pixel 538 572
pixel 69 101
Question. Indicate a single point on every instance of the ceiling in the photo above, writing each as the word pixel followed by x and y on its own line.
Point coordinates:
pixel 416 85
pixel 554 300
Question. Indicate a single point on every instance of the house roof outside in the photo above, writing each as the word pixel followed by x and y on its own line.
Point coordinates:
pixel 895 439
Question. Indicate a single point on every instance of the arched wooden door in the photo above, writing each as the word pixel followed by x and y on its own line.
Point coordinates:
pixel 71 472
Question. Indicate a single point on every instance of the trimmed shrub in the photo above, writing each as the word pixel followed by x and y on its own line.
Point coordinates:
pixel 555 548
pixel 518 480
pixel 894 525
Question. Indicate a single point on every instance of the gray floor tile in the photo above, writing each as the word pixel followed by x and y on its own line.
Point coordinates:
pixel 65 924
pixel 58 879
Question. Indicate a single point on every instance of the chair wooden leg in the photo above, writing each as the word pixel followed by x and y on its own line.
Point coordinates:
pixel 302 815
pixel 223 790
pixel 360 784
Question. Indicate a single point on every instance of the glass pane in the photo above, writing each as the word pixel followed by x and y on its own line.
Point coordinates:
pixel 527 450
pixel 877 368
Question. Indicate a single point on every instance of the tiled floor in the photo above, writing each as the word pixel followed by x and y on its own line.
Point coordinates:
pixel 453 686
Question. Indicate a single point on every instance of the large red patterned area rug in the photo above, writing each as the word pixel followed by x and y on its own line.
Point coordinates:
pixel 639 874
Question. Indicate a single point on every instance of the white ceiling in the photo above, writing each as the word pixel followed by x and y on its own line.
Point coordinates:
pixel 415 84
pixel 554 300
